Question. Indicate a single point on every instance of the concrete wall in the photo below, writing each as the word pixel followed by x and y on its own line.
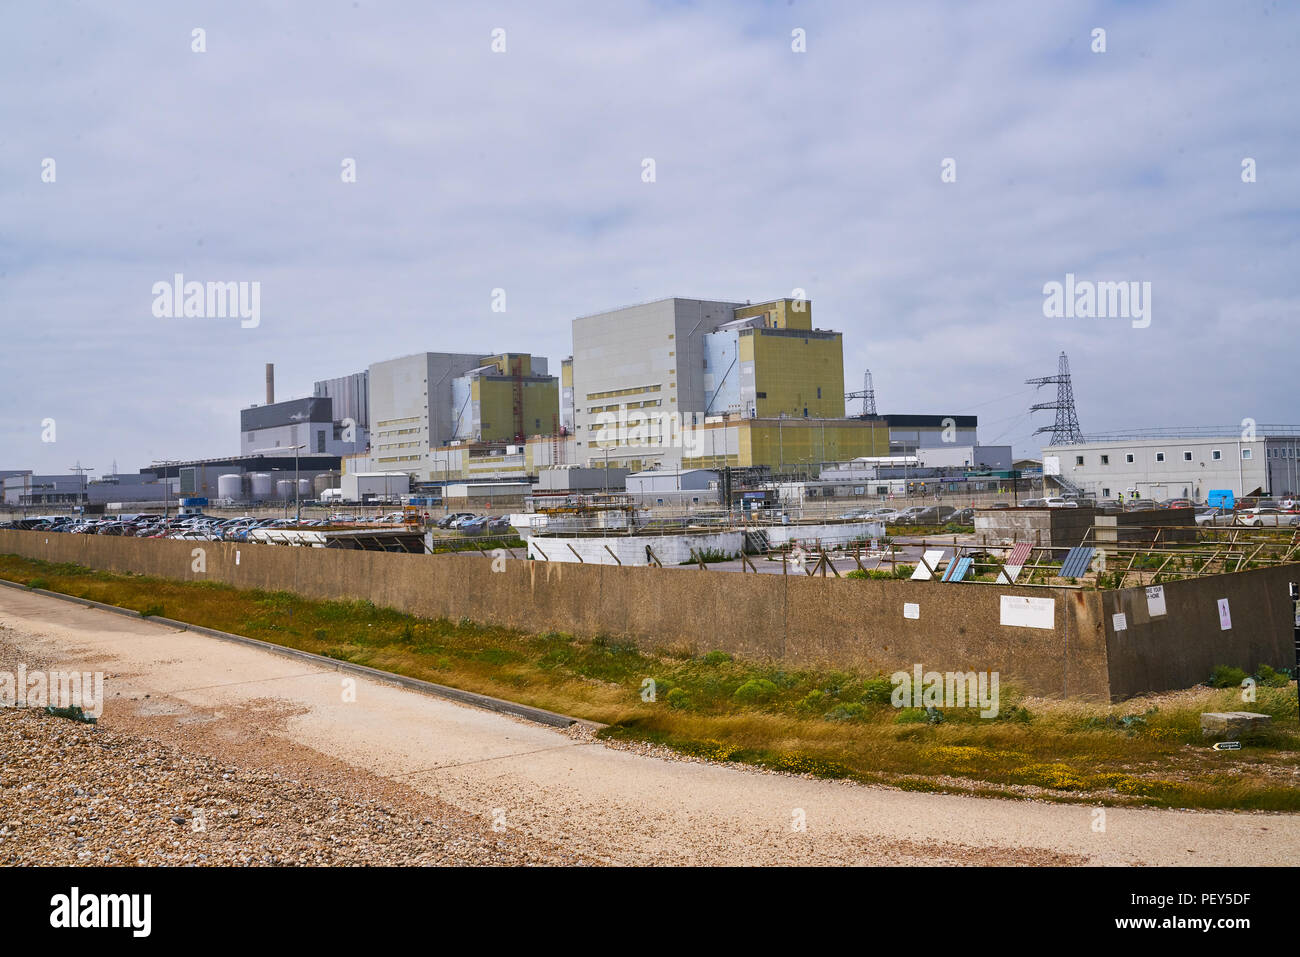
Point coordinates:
pixel 794 619
pixel 1179 649
pixel 1067 527
pixel 841 533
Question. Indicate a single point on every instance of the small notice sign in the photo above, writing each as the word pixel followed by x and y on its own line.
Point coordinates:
pixel 1156 600
pixel 236 556
pixel 1120 622
pixel 1021 612
pixel 1225 616
pixel 911 610
pixel 1227 746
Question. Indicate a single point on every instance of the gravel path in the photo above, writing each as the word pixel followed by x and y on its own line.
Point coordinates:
pixel 451 783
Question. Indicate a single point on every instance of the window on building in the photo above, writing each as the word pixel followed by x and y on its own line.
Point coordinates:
pixel 1187 456
pixel 1105 493
pixel 1105 460
pixel 320 441
pixel 1078 460
pixel 819 392
pixel 1216 454
pixel 1128 457
pixel 760 395
pixel 805 411
pixel 1245 453
pixel 1160 456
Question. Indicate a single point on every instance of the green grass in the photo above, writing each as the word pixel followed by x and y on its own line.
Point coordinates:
pixel 826 722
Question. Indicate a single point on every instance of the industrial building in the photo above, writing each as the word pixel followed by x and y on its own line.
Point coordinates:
pixel 1185 463
pixel 907 433
pixel 506 399
pixel 443 417
pixel 314 423
pixel 785 445
pixel 674 487
pixel 647 378
pixel 21 488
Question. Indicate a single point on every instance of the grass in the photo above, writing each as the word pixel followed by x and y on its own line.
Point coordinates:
pixel 829 723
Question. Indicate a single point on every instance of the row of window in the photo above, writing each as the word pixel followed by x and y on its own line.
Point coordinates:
pixel 615 393
pixel 1216 455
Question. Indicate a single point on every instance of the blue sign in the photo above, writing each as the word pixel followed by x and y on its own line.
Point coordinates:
pixel 1221 497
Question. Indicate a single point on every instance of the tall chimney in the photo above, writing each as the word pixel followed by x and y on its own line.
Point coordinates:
pixel 270 383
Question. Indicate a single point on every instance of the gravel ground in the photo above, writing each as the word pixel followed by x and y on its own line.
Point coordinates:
pixel 73 793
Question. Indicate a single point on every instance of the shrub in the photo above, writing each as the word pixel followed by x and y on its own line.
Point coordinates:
pixel 755 690
pixel 151 611
pixel 716 658
pixel 39 583
pixel 1270 677
pixel 1225 676
pixel 878 690
pixel 678 699
pixel 812 701
pixel 844 712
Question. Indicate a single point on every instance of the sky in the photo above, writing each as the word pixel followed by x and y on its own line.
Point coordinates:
pixel 778 171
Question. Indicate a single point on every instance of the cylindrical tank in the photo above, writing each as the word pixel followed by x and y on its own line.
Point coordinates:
pixel 323 481
pixel 230 486
pixel 284 488
pixel 262 486
pixel 304 488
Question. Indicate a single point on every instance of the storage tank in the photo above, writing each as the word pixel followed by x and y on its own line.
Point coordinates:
pixel 304 488
pixel 262 486
pixel 284 489
pixel 230 486
pixel 323 481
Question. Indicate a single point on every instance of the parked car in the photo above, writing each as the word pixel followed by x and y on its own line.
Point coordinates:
pixel 1033 503
pixel 934 515
pixel 1057 501
pixel 1213 515
pixel 1258 517
pixel 449 521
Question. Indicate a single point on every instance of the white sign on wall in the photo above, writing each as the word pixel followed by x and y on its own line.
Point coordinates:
pixel 911 610
pixel 1156 600
pixel 1225 616
pixel 1051 465
pixel 1120 622
pixel 1019 611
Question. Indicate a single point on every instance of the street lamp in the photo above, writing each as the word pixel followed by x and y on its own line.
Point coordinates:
pixel 297 508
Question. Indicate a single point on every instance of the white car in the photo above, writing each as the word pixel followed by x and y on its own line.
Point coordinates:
pixel 1257 517
pixel 1058 502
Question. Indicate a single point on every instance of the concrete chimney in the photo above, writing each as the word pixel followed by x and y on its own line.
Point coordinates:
pixel 270 383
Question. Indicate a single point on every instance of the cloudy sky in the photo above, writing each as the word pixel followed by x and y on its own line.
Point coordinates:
pixel 775 170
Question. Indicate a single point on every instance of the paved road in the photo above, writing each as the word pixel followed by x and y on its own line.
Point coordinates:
pixel 594 801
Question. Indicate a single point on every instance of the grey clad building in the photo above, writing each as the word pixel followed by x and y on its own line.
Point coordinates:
pixel 1181 463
